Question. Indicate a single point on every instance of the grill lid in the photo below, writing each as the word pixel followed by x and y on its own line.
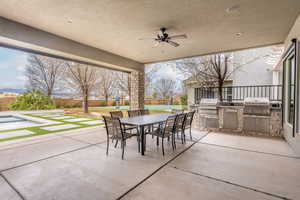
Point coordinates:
pixel 208 102
pixel 256 101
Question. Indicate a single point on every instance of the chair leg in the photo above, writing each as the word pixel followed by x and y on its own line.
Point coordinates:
pixel 123 147
pixel 157 141
pixel 116 143
pixel 107 146
pixel 181 137
pixel 162 146
pixel 173 148
pixel 191 133
pixel 139 144
pixel 174 142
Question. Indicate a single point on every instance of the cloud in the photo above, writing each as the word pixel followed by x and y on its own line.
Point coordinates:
pixel 21 78
pixel 21 68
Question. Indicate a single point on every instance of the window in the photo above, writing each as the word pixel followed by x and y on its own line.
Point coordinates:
pixel 290 68
pixel 290 79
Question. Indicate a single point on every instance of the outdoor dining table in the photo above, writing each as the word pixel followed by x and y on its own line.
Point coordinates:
pixel 145 120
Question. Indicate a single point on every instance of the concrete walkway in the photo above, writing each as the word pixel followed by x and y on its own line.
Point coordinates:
pixel 73 165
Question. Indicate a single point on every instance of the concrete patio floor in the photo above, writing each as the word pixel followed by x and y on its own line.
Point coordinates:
pixel 73 165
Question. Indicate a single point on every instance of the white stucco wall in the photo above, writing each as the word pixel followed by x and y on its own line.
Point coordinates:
pixel 256 71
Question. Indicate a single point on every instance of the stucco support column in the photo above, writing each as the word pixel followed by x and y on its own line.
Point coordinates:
pixel 137 84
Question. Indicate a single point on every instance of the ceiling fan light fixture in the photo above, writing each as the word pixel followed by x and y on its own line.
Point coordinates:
pixel 233 8
pixel 238 34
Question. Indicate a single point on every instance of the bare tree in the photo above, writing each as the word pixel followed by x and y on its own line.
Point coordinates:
pixel 165 88
pixel 150 77
pixel 123 84
pixel 213 70
pixel 81 78
pixel 107 83
pixel 43 73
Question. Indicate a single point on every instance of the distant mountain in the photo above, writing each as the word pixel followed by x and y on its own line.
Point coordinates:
pixel 19 91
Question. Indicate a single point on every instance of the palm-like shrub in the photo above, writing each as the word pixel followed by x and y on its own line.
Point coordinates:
pixel 33 100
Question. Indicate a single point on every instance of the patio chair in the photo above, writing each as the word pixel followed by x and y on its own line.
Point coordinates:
pixel 130 128
pixel 133 113
pixel 188 122
pixel 116 114
pixel 179 126
pixel 115 131
pixel 177 111
pixel 144 112
pixel 165 131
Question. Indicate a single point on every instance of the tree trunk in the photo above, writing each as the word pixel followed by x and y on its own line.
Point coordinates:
pixel 85 104
pixel 106 100
pixel 220 91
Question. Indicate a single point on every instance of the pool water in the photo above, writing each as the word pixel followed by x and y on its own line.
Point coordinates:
pixel 14 122
pixel 10 119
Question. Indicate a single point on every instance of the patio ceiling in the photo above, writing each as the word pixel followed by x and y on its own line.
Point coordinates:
pixel 116 26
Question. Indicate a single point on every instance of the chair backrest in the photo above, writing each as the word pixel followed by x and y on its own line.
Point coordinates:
pixel 179 123
pixel 189 118
pixel 133 113
pixel 177 111
pixel 144 112
pixel 170 124
pixel 116 114
pixel 113 127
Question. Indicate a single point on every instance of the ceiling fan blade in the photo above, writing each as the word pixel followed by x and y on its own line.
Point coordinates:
pixel 183 36
pixel 174 44
pixel 147 38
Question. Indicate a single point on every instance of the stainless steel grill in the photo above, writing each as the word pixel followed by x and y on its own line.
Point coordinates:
pixel 257 106
pixel 208 106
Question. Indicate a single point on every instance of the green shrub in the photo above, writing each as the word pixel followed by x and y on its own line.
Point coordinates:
pixel 183 99
pixel 126 103
pixel 114 103
pixel 33 100
pixel 103 103
pixel 176 102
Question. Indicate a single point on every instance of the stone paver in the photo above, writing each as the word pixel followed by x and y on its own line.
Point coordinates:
pixel 260 144
pixel 6 192
pixel 59 127
pixel 77 120
pixel 15 133
pixel 63 117
pixel 264 172
pixel 92 122
pixel 52 115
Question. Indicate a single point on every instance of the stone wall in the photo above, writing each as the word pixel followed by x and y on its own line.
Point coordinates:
pixel 137 83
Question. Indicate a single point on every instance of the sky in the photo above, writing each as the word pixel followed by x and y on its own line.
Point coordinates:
pixel 12 66
pixel 13 63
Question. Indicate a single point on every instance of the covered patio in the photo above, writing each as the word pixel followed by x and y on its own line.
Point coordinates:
pixel 73 164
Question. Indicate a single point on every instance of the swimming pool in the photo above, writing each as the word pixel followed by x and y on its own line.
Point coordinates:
pixel 14 122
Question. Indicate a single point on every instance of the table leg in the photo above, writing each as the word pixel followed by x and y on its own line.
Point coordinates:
pixel 142 140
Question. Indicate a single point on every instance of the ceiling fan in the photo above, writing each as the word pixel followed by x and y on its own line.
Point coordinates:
pixel 166 38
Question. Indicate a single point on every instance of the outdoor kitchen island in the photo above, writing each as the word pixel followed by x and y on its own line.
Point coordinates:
pixel 251 117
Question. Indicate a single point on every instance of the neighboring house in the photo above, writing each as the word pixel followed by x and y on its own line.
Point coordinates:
pixel 258 66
